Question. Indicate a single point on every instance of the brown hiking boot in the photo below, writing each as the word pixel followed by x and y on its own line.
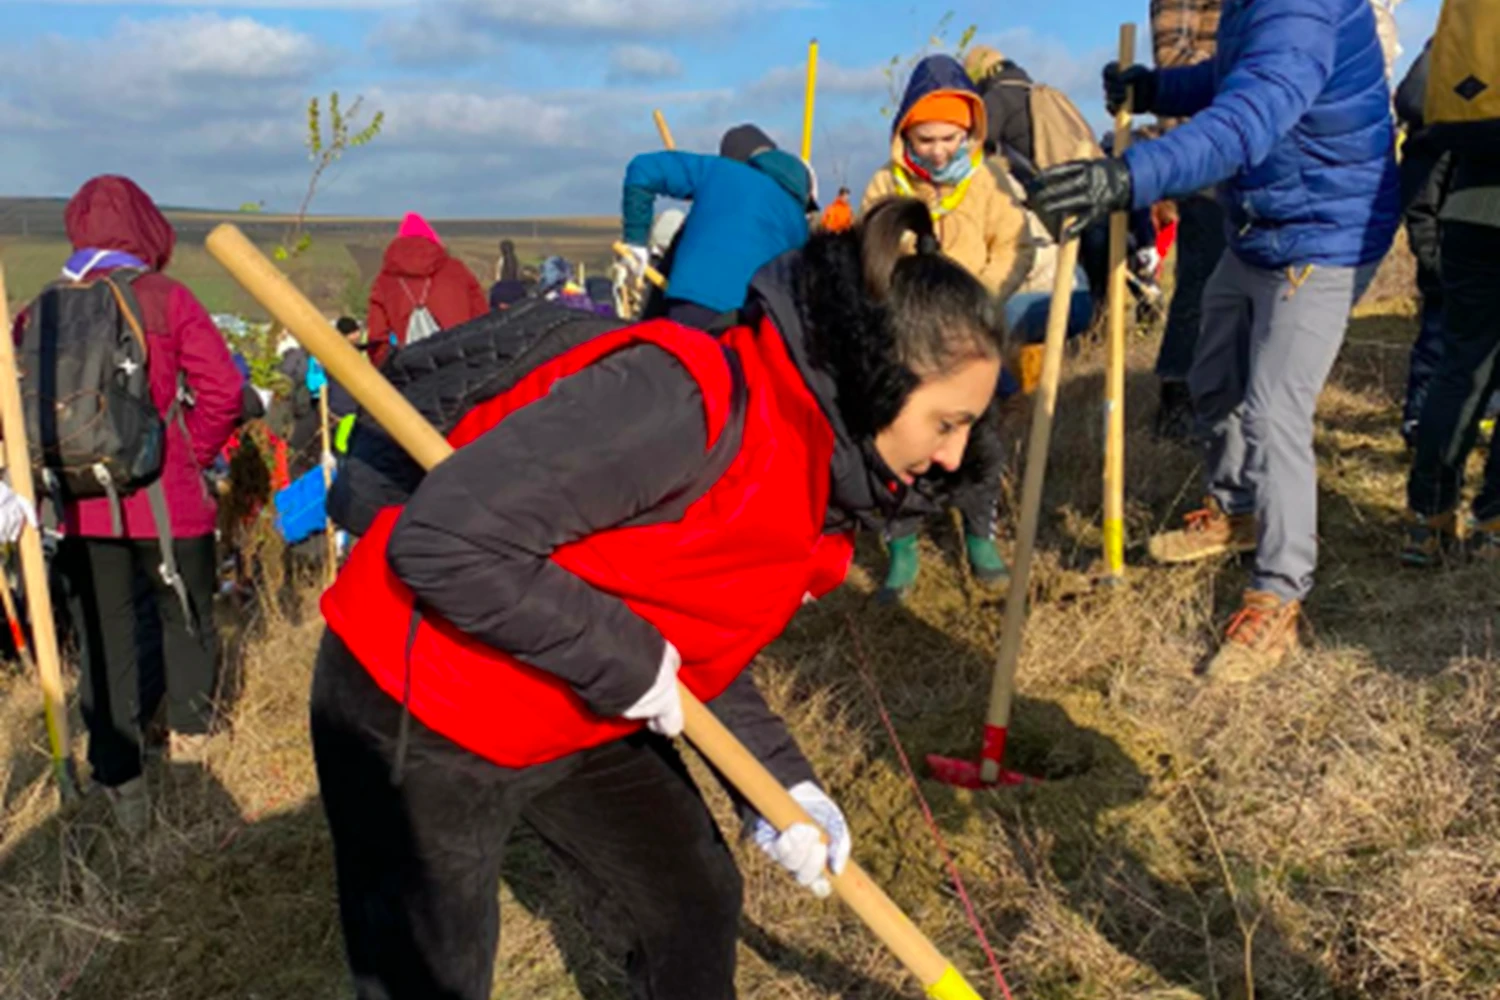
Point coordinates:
pixel 1204 534
pixel 1429 540
pixel 1257 639
pixel 1482 541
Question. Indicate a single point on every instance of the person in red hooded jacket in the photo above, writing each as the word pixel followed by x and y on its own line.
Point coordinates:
pixel 112 224
pixel 418 270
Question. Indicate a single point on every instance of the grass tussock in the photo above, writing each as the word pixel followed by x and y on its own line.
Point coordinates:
pixel 1332 832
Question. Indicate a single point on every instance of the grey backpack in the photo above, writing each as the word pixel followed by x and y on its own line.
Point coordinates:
pixel 92 426
pixel 422 323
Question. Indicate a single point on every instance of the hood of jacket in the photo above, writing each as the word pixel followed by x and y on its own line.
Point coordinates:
pixel 863 487
pixel 113 213
pixel 938 75
pixel 414 257
pixel 789 172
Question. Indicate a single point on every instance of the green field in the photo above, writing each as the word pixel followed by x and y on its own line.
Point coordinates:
pixel 335 272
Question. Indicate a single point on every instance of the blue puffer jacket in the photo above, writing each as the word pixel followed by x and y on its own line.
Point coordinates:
pixel 1293 117
pixel 743 216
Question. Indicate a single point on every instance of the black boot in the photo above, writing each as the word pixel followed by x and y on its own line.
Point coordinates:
pixel 1174 413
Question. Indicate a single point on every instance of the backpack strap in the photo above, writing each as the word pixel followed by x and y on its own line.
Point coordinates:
pixel 426 290
pixel 157 495
pixel 130 306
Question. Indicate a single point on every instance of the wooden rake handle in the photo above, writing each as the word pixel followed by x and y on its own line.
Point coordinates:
pixel 291 308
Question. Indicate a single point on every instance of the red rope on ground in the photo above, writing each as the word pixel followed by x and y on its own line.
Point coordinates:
pixel 863 665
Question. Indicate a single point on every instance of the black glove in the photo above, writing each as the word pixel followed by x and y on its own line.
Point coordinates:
pixel 1083 191
pixel 1139 82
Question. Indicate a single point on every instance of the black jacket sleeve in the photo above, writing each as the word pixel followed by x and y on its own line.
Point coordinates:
pixel 377 473
pixel 1411 93
pixel 744 711
pixel 604 447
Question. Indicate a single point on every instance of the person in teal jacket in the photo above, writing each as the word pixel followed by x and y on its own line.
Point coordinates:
pixel 750 206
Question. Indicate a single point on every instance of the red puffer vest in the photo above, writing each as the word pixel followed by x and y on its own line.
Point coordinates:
pixel 719 583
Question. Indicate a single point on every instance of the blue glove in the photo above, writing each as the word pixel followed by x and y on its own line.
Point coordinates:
pixel 317 378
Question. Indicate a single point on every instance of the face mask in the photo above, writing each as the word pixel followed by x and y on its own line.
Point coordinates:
pixel 956 171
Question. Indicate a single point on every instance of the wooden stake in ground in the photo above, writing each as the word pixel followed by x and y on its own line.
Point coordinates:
pixel 965 773
pixel 1114 380
pixel 33 563
pixel 809 100
pixel 330 533
pixel 661 127
pixel 422 441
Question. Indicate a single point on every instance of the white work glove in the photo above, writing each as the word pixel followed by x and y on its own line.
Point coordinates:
pixel 16 512
pixel 329 462
pixel 661 706
pixel 637 260
pixel 1147 261
pixel 800 848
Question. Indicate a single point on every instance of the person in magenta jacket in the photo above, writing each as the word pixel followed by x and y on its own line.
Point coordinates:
pixel 113 224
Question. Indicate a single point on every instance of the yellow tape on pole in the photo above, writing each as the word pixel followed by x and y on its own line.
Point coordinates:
pixel 952 987
pixel 809 100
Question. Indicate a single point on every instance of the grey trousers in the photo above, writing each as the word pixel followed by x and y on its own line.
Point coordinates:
pixel 1268 342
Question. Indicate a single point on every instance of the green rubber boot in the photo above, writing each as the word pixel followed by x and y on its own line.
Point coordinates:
pixel 905 562
pixel 984 559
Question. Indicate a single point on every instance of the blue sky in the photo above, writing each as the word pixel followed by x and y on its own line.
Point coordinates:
pixel 494 107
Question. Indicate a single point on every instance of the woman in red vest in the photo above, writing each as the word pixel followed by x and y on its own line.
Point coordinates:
pixel 652 505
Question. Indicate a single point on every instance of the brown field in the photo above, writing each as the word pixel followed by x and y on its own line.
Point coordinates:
pixel 336 272
pixel 1333 832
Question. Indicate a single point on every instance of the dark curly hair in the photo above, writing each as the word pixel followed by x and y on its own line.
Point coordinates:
pixel 886 310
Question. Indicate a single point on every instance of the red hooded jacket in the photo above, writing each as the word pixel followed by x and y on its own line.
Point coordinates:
pixel 113 213
pixel 419 271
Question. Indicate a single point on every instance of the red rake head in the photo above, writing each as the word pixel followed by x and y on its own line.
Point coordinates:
pixel 966 774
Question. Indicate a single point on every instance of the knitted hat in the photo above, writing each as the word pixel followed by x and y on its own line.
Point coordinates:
pixel 981 61
pixel 744 141
pixel 942 106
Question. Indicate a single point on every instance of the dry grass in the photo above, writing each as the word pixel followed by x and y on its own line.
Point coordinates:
pixel 1331 832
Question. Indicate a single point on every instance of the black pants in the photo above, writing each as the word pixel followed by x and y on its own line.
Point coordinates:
pixel 418 864
pixel 113 585
pixel 1467 376
pixel 1200 244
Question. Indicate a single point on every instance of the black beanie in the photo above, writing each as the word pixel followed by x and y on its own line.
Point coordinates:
pixel 744 141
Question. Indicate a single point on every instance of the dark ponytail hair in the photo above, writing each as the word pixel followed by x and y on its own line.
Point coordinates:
pixel 887 309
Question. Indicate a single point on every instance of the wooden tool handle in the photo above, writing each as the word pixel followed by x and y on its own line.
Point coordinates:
pixel 661 127
pixel 1002 688
pixel 652 274
pixel 809 101
pixel 33 563
pixel 719 746
pixel 1114 389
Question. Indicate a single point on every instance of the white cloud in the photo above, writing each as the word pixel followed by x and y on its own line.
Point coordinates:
pixel 207 110
pixel 640 62
pixel 235 4
pixel 440 37
pixel 590 19
pixel 612 17
pixel 833 78
pixel 176 62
